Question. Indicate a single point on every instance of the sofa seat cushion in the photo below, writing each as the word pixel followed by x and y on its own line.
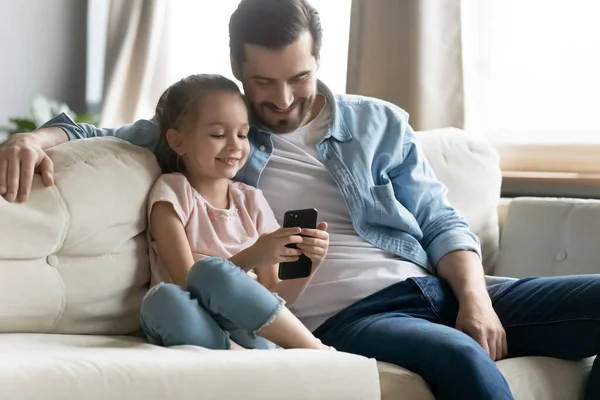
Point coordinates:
pixel 36 366
pixel 529 378
pixel 74 257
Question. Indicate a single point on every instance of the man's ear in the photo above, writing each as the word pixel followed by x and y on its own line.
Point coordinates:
pixel 175 140
pixel 236 68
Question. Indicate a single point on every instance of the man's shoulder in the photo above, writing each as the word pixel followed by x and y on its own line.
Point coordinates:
pixel 367 106
pixel 146 124
pixel 372 119
pixel 143 132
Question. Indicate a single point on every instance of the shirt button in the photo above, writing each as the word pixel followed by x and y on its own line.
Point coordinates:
pixel 52 260
pixel 262 147
pixel 561 255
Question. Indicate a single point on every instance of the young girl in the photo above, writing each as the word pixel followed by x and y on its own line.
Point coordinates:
pixel 215 245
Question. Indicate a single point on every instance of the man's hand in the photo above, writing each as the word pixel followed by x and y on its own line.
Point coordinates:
pixel 315 243
pixel 477 318
pixel 20 157
pixel 476 315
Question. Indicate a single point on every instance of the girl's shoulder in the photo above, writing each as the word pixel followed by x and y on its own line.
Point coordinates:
pixel 251 197
pixel 242 188
pixel 173 179
pixel 173 187
pixel 245 192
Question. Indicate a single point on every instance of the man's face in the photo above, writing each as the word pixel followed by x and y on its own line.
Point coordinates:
pixel 280 84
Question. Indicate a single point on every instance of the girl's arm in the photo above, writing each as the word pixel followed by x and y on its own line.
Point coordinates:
pixel 268 276
pixel 171 240
pixel 291 289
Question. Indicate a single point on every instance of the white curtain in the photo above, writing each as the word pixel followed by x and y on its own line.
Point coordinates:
pixel 128 59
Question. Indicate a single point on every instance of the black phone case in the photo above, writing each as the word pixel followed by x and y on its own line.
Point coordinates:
pixel 301 268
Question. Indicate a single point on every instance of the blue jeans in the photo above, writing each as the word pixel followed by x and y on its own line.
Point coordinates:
pixel 221 302
pixel 411 324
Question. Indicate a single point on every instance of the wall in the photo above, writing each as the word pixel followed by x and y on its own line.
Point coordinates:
pixel 42 51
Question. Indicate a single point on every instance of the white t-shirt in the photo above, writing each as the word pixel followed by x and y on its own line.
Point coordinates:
pixel 295 178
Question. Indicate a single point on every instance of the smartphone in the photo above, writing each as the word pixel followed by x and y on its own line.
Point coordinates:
pixel 302 267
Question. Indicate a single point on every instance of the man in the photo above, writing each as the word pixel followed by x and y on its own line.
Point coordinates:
pixel 403 280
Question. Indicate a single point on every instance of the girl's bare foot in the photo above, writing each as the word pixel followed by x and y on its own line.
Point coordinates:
pixel 235 346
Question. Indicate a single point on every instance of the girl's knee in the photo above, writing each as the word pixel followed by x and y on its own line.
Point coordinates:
pixel 163 297
pixel 212 273
pixel 170 317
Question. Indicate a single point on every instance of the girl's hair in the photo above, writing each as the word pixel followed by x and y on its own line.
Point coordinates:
pixel 179 105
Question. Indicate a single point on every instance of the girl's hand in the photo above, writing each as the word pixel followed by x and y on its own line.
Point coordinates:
pixel 315 243
pixel 271 248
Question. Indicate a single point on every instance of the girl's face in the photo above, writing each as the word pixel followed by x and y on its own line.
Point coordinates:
pixel 216 145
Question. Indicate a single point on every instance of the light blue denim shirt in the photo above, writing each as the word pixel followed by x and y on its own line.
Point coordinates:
pixel 395 201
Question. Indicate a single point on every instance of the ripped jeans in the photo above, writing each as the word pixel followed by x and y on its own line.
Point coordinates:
pixel 221 302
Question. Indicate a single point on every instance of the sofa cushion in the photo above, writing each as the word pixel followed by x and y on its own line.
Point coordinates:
pixel 74 257
pixel 550 237
pixel 84 270
pixel 470 169
pixel 97 368
pixel 528 377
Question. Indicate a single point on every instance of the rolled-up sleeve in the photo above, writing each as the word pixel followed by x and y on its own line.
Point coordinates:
pixel 443 227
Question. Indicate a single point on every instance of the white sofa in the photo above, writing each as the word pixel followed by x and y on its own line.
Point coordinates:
pixel 74 267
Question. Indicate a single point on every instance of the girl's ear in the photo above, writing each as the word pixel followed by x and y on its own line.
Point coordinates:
pixel 175 140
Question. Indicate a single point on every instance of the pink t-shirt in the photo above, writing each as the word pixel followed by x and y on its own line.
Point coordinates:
pixel 210 231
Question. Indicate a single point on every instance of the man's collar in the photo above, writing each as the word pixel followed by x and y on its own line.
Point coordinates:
pixel 336 127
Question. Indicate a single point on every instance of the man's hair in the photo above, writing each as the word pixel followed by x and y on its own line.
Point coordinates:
pixel 180 104
pixel 273 24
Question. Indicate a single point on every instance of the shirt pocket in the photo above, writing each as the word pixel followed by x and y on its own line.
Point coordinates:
pixel 383 197
pixel 388 211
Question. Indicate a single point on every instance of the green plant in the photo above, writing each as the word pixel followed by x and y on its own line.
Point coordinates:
pixel 42 110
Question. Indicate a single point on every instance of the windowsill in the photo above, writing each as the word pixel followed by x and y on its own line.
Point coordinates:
pixel 550 178
pixel 548 152
pixel 550 184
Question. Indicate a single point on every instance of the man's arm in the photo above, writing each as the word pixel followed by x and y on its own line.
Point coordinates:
pixel 476 316
pixel 23 154
pixel 49 137
pixel 144 132
pixel 417 188
pixel 453 250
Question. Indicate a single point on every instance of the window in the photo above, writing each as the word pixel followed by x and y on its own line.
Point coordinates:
pixel 532 70
pixel 199 39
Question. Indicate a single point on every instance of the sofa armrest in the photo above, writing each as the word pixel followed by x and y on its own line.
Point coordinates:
pixel 549 237
pixel 503 211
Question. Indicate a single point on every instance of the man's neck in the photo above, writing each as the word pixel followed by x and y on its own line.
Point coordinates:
pixel 317 106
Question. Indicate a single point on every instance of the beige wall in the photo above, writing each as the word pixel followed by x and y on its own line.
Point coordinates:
pixel 42 51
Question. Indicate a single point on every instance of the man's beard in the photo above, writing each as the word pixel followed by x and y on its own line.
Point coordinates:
pixel 284 125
